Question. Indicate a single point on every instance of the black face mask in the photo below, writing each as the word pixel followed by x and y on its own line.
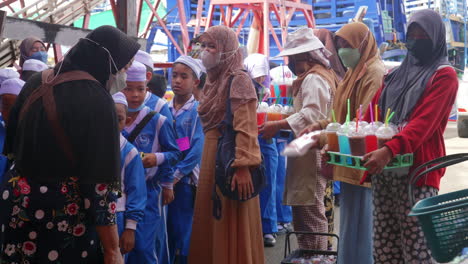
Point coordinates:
pixel 421 49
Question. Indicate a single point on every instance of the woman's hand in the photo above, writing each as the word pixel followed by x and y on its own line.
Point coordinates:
pixel 377 160
pixel 311 128
pixel 113 257
pixel 242 180
pixel 324 154
pixel 268 129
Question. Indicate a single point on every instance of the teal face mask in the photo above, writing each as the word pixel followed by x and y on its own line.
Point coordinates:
pixel 349 57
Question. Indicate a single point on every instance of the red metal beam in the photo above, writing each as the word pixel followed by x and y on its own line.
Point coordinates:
pixel 238 15
pixel 150 20
pixel 6 2
pixel 86 20
pixel 114 10
pixel 139 9
pixel 275 37
pixel 266 35
pixel 57 52
pixel 209 18
pixel 163 25
pixel 308 18
pixel 198 18
pixel 183 25
pixel 229 16
pixel 241 24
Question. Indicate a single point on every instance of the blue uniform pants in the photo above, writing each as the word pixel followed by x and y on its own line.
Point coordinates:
pixel 268 194
pixel 179 221
pixel 150 229
pixel 355 225
pixel 284 212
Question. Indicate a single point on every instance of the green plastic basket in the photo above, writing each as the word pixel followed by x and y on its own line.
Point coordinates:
pixel 443 218
pixel 355 162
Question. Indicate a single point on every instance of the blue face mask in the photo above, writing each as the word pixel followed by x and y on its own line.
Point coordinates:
pixel 40 55
pixel 133 110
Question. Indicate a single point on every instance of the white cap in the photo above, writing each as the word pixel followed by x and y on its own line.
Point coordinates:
pixel 136 73
pixel 145 59
pixel 34 65
pixel 257 65
pixel 120 98
pixel 6 74
pixel 194 64
pixel 11 86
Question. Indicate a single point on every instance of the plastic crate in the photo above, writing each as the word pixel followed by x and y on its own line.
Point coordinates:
pixel 356 162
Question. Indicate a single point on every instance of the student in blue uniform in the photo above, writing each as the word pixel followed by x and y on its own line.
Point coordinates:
pixel 283 212
pixel 152 101
pixel 186 73
pixel 131 206
pixel 157 144
pixel 258 67
pixel 9 91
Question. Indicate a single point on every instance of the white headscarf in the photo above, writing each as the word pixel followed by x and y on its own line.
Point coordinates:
pixel 257 65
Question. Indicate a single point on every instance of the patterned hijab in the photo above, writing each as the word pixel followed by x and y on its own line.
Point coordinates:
pixel 213 100
pixel 405 85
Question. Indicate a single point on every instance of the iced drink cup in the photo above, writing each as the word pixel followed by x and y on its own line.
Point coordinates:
pixel 371 138
pixel 357 142
pixel 332 137
pixel 384 134
pixel 343 142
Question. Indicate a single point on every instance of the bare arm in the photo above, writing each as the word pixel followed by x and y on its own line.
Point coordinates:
pixel 110 242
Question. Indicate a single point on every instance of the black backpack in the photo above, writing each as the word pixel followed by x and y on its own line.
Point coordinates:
pixel 225 157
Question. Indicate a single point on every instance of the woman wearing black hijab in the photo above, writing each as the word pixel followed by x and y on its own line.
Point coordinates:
pixel 60 205
pixel 421 92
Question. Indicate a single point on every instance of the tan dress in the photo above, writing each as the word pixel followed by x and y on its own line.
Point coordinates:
pixel 237 237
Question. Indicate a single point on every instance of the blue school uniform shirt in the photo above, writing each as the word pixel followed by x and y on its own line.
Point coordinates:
pixel 133 200
pixel 157 137
pixel 188 125
pixel 159 105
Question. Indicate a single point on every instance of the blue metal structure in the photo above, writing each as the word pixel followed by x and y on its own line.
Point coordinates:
pixel 383 16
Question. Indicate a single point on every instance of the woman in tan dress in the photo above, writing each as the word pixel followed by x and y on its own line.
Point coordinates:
pixel 237 236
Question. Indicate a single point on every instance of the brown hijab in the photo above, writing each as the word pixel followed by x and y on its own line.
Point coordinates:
pixel 358 36
pixel 328 39
pixel 26 46
pixel 213 100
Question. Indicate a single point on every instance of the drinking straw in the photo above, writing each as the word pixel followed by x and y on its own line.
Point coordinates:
pixel 360 113
pixel 371 113
pixel 386 117
pixel 348 114
pixel 357 121
pixel 333 116
pixel 376 113
pixel 390 117
pixel 261 96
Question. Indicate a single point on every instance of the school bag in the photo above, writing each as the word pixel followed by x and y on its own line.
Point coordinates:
pixel 225 156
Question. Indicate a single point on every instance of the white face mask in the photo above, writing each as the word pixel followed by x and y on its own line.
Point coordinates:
pixel 117 82
pixel 210 60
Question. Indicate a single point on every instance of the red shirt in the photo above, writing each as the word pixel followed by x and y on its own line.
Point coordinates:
pixel 424 134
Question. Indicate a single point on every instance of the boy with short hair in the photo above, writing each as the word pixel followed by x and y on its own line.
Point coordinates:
pixel 154 102
pixel 186 73
pixel 153 135
pixel 131 206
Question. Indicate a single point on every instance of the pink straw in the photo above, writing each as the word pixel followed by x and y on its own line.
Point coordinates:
pixel 360 112
pixel 371 113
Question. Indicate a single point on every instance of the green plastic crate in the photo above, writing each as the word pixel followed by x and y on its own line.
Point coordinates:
pixel 355 162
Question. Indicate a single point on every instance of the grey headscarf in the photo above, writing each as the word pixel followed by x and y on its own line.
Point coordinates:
pixel 406 84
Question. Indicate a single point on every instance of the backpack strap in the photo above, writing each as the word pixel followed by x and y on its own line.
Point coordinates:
pixel 46 92
pixel 134 134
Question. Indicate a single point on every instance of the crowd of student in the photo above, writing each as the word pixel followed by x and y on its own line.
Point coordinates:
pixel 66 199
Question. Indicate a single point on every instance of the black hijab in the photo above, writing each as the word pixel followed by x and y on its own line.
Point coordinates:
pixel 405 85
pixel 91 54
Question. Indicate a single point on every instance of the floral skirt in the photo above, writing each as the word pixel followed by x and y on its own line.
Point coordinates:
pixel 53 223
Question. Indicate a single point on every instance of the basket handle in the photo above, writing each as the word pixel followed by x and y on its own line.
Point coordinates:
pixel 438 163
pixel 287 245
